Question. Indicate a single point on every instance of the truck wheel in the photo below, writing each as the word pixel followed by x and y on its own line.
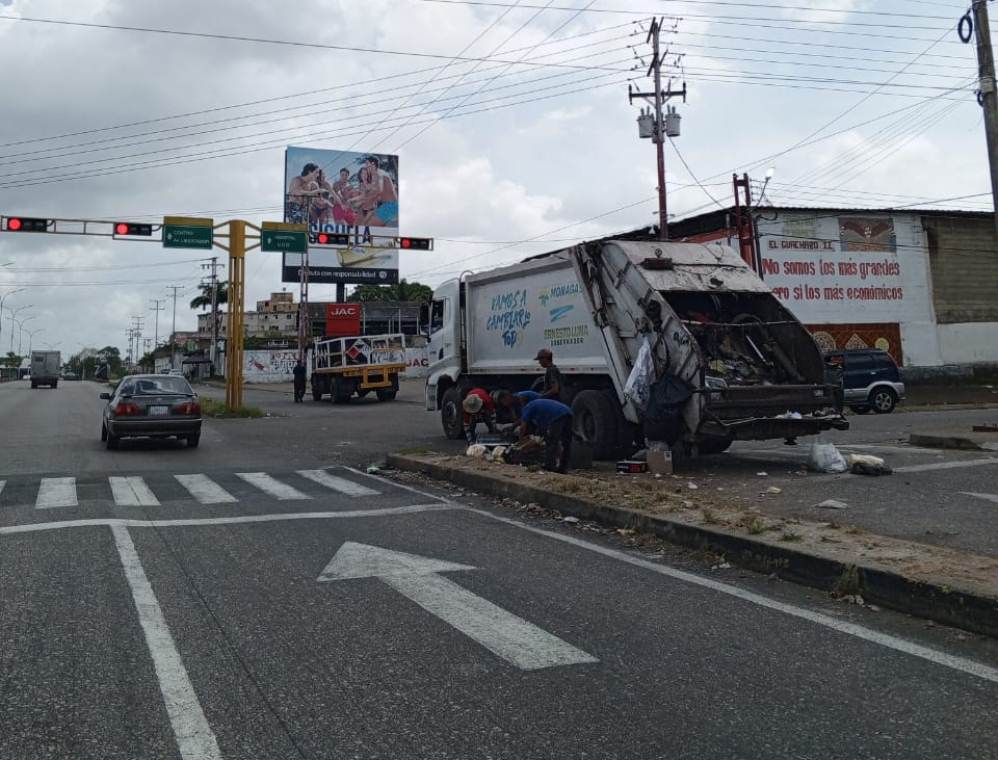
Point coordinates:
pixel 883 400
pixel 388 394
pixel 597 422
pixel 363 392
pixel 451 414
pixel 34 384
pixel 342 390
pixel 316 393
pixel 55 385
pixel 714 445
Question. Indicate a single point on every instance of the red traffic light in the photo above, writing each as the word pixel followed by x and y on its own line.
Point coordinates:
pixel 24 224
pixel 131 228
pixel 416 244
pixel 332 238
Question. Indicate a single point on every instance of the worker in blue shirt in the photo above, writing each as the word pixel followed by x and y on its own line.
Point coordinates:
pixel 552 420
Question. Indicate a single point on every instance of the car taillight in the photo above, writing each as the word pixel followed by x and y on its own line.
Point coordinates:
pixel 189 407
pixel 126 409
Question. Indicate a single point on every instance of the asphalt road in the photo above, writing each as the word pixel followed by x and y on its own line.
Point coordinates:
pixel 274 601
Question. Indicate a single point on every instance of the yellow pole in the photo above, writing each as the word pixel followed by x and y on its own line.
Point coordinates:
pixel 235 337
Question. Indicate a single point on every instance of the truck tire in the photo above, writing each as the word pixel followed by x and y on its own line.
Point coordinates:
pixel 451 415
pixel 55 385
pixel 319 387
pixel 387 394
pixel 34 385
pixel 597 422
pixel 316 394
pixel 342 390
pixel 714 445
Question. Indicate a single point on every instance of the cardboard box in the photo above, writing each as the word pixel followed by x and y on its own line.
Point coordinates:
pixel 659 462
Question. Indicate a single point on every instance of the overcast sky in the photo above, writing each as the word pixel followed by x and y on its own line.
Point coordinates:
pixel 550 152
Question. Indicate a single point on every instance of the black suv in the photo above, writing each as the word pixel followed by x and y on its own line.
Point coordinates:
pixel 871 379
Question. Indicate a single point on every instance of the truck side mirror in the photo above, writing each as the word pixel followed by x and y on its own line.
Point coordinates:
pixel 105 397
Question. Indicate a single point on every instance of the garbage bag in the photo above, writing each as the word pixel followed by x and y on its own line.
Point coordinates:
pixel 639 382
pixel 824 457
pixel 663 418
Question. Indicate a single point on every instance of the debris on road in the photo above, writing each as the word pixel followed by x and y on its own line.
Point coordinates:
pixel 833 504
pixel 477 451
pixel 824 457
pixel 773 490
pixel 762 474
pixel 866 464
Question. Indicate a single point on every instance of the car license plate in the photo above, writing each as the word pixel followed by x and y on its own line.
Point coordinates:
pixel 158 410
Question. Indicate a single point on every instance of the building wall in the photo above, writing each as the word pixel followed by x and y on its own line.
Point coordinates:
pixel 963 254
pixel 867 269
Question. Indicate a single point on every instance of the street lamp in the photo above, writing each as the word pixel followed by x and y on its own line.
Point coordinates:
pixel 4 298
pixel 20 330
pixel 31 337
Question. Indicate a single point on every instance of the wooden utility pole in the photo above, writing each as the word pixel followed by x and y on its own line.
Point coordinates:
pixel 987 95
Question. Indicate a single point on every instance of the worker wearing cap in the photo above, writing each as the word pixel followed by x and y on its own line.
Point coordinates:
pixel 553 386
pixel 478 407
pixel 552 420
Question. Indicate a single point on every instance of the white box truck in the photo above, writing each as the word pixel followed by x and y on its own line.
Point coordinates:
pixel 45 368
pixel 728 360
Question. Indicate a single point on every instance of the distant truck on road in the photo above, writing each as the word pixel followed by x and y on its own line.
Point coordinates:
pixel 343 367
pixel 727 360
pixel 45 368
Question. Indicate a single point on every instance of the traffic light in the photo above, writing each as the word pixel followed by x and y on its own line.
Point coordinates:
pixel 332 238
pixel 24 224
pixel 416 244
pixel 131 228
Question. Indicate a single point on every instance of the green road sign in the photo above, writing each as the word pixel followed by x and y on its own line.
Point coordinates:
pixel 278 237
pixel 187 232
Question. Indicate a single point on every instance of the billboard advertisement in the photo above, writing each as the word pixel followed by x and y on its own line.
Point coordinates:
pixel 342 192
pixel 343 319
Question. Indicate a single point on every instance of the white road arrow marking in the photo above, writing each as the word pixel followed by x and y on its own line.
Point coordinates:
pixel 993 498
pixel 504 634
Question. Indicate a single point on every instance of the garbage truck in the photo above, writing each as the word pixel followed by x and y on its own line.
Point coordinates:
pixel 675 342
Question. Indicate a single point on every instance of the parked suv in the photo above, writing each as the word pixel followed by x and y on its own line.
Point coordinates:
pixel 871 380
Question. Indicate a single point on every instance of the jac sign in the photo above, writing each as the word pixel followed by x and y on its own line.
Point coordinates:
pixel 343 319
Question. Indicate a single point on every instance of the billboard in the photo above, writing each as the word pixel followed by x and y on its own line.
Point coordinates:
pixel 343 193
pixel 343 319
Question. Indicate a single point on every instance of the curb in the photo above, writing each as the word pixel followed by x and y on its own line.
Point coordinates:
pixel 949 442
pixel 950 606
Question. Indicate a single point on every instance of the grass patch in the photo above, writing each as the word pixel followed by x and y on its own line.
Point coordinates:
pixel 709 517
pixel 789 535
pixel 848 583
pixel 756 526
pixel 212 408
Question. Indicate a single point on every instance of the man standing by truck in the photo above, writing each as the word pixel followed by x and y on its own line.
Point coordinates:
pixel 552 420
pixel 552 388
pixel 299 377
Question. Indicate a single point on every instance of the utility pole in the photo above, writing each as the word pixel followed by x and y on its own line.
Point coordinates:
pixel 654 125
pixel 137 334
pixel 214 306
pixel 173 330
pixel 987 95
pixel 158 307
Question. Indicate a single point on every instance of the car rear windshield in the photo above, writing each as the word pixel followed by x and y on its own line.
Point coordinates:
pixel 158 386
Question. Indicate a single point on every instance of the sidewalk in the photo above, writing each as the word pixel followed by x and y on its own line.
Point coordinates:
pixel 949 395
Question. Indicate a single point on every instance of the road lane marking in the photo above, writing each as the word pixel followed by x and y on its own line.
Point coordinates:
pixel 947 465
pixel 194 736
pixel 205 490
pixel 393 484
pixel 56 492
pixel 2 484
pixel 234 520
pixel 272 486
pixel 993 498
pixel 338 484
pixel 132 491
pixel 506 635
pixel 961 664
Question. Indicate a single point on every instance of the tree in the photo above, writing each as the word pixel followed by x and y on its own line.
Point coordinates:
pixel 403 291
pixel 203 301
pixel 12 360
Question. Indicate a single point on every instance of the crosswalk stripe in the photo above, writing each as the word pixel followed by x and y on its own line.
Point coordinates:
pixel 56 492
pixel 205 490
pixel 342 485
pixel 132 491
pixel 277 489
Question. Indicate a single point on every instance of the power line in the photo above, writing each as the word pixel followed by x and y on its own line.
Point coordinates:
pixel 305 93
pixel 268 145
pixel 380 97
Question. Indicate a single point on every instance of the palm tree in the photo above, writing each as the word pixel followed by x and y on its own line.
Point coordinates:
pixel 203 301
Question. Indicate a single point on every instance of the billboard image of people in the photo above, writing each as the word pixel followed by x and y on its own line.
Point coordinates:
pixel 343 192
